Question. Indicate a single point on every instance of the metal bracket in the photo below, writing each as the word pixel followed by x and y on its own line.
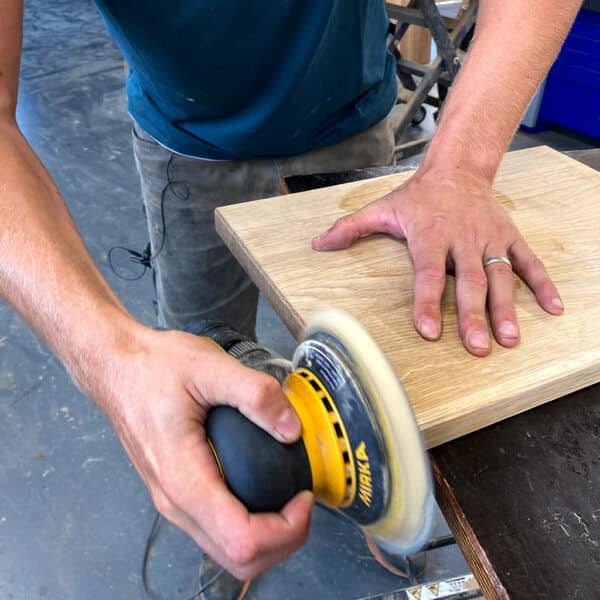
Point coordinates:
pixel 417 80
pixel 457 588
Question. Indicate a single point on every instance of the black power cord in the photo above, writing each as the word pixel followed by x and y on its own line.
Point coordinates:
pixel 156 525
pixel 145 257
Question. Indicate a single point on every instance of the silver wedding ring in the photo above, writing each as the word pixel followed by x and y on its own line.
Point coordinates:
pixel 494 259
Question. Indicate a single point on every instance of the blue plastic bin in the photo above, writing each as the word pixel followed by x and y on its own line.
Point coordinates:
pixel 572 93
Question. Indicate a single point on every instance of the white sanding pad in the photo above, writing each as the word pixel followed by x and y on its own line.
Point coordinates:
pixel 406 522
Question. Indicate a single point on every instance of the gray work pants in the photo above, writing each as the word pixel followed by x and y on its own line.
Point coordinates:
pixel 195 275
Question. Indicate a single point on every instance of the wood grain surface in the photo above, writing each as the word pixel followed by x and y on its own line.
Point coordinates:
pixel 554 200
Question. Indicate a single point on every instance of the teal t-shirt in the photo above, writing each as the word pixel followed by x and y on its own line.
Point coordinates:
pixel 226 79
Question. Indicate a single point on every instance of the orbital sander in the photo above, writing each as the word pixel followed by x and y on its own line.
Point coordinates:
pixel 361 452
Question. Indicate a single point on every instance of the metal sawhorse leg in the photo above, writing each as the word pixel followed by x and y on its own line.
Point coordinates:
pixel 417 80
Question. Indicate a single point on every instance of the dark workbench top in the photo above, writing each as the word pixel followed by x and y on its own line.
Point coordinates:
pixel 529 490
pixel 522 497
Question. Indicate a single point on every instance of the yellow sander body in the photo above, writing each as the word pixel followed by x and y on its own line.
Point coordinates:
pixel 361 451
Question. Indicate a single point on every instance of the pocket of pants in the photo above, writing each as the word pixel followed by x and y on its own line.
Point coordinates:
pixel 141 135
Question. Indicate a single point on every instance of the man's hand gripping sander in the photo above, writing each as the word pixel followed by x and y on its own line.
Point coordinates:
pixel 361 451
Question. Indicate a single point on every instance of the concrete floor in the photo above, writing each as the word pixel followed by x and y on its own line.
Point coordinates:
pixel 74 515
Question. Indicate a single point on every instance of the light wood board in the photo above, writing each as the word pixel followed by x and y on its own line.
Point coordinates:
pixel 554 200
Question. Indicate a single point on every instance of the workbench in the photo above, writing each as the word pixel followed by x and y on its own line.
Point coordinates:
pixel 515 494
pixel 522 497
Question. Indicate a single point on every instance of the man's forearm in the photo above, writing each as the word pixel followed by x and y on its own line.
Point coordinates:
pixel 514 45
pixel 46 272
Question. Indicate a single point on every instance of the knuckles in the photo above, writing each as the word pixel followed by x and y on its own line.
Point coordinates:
pixel 263 393
pixel 242 552
pixel 350 224
pixel 162 504
pixel 432 274
pixel 167 492
pixel 535 264
pixel 502 271
pixel 474 278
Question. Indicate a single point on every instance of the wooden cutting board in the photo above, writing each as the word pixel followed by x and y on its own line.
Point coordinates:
pixel 554 200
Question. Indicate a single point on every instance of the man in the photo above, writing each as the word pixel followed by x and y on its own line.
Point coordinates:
pixel 226 98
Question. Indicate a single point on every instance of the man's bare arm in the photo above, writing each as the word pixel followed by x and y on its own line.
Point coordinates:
pixel 46 272
pixel 515 44
pixel 446 211
pixel 155 386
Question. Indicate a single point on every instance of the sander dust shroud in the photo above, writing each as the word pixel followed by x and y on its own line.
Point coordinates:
pixel 361 451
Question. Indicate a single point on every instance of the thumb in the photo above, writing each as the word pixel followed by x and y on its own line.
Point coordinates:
pixel 345 231
pixel 256 395
pixel 297 511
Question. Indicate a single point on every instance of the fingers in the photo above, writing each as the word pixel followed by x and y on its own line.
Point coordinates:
pixel 266 539
pixel 501 290
pixel 275 535
pixel 257 395
pixel 247 544
pixel 454 220
pixel 471 294
pixel 195 498
pixel 429 260
pixel 501 304
pixel 263 401
pixel 532 271
pixel 377 217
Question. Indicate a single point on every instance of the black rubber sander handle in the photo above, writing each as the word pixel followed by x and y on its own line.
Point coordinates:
pixel 261 472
